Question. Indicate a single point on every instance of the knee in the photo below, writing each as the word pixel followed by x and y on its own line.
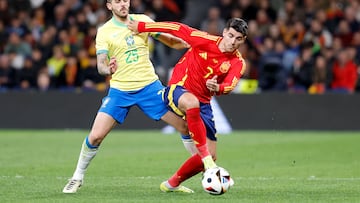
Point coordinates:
pixel 188 101
pixel 95 139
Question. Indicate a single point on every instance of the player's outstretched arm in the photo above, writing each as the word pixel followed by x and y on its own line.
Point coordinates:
pixel 106 66
pixel 191 35
pixel 172 41
pixel 167 39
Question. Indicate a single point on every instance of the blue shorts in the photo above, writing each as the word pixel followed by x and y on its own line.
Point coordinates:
pixel 148 99
pixel 171 97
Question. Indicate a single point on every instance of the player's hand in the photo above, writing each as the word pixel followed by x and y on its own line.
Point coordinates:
pixel 112 65
pixel 133 26
pixel 212 84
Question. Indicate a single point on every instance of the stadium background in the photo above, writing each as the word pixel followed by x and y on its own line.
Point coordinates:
pixel 302 56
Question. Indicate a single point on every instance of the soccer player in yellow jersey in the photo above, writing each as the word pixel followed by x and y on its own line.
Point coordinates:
pixel 133 82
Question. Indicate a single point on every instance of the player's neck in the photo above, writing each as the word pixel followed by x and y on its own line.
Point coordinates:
pixel 124 19
pixel 221 46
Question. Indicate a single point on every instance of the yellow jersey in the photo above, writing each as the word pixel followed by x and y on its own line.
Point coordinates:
pixel 135 69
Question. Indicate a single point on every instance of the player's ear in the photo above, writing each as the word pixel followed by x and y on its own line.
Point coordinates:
pixel 108 5
pixel 225 30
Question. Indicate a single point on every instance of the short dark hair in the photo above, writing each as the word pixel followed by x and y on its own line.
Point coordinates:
pixel 238 24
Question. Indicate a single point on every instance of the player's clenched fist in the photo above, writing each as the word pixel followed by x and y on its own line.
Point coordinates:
pixel 133 26
pixel 212 84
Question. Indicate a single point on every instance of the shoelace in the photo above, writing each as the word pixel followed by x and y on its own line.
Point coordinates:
pixel 71 184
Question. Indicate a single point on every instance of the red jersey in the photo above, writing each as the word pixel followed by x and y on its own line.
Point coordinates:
pixel 202 61
pixel 344 76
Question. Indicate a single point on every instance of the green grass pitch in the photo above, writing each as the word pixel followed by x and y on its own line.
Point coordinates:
pixel 267 166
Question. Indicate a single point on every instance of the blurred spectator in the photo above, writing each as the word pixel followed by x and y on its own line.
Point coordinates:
pixel 69 77
pixel 46 42
pixel 37 23
pixel 17 26
pixel 38 60
pixel 290 12
pixel 89 13
pixel 301 73
pixel 43 81
pixel 344 73
pixel 356 45
pixel 334 13
pixel 329 24
pixel 5 16
pixel 91 79
pixel 76 39
pixel 17 45
pixel 3 36
pixel 137 6
pixel 266 6
pixel 226 8
pixel 329 55
pixel 26 77
pixel 213 24
pixel 263 21
pixel 344 33
pixel 309 10
pixel 249 9
pixel 318 35
pixel 7 73
pixel 319 76
pixel 81 23
pixel 290 54
pixel 163 13
pixel 49 8
pixel 55 65
pixel 272 76
pixel 350 15
pixel 61 20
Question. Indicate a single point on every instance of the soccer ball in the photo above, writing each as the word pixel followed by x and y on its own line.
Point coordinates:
pixel 216 181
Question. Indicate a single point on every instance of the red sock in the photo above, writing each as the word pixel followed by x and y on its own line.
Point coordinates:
pixel 197 130
pixel 188 169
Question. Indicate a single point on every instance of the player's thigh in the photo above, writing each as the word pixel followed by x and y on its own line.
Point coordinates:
pixel 103 124
pixel 176 121
pixel 178 99
pixel 188 101
pixel 117 104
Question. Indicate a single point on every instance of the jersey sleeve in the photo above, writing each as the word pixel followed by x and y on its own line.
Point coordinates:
pixel 191 35
pixel 146 19
pixel 101 45
pixel 232 78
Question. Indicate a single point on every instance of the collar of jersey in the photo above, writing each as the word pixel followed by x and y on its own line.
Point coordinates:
pixel 120 23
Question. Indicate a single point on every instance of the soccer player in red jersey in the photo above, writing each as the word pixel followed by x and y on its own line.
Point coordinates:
pixel 212 66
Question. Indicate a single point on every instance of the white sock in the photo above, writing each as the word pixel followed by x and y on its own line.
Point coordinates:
pixel 189 144
pixel 86 155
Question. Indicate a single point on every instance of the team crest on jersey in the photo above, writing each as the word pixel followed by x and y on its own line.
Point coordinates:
pixel 224 67
pixel 130 40
pixel 203 55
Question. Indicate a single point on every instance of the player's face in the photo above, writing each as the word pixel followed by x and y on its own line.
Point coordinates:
pixel 119 8
pixel 232 40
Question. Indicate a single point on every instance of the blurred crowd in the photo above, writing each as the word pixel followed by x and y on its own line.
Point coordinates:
pixel 298 46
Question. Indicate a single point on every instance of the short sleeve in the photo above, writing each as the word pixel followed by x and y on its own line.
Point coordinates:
pixel 101 45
